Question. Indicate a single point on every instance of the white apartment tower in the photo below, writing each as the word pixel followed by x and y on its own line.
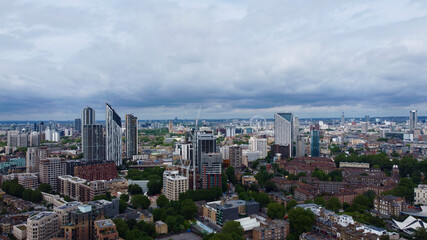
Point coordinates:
pixel 113 142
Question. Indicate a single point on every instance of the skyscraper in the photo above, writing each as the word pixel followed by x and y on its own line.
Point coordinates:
pixel 113 143
pixel 367 119
pixel 342 119
pixel 131 134
pixel 283 128
pixel 93 142
pixel 315 139
pixel 413 119
pixel 92 136
pixel 78 125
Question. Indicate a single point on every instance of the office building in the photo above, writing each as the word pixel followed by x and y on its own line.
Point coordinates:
pixel 93 142
pixel 131 134
pixel 78 125
pixel 235 156
pixel 174 184
pixel 50 169
pixel 34 155
pixel 315 142
pixel 44 225
pixel 105 229
pixel 413 119
pixel 113 124
pixel 283 131
pixel 258 144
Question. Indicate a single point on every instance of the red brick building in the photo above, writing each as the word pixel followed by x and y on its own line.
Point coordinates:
pixel 92 171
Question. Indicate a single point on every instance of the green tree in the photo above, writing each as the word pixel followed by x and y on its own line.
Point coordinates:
pixel 234 229
pixel 275 211
pixel 124 197
pixel 188 209
pixel 45 187
pixel 231 175
pixel 162 201
pixel 158 213
pixel 320 201
pixel 420 233
pixel 121 227
pixel 36 196
pixel 140 201
pixel 333 204
pixel 122 206
pixel 291 204
pixel 270 186
pixel 134 189
pixel 261 198
pixel 301 221
pixel 364 201
pixel 26 194
pixel 154 185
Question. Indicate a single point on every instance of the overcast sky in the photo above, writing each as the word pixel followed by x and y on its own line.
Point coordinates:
pixel 163 59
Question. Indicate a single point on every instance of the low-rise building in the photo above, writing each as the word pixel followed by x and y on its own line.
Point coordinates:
pixel 219 212
pixel 161 227
pixel 277 230
pixel 388 205
pixel 105 230
pixel 20 231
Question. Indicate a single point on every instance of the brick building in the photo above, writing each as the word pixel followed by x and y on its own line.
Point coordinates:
pixel 96 170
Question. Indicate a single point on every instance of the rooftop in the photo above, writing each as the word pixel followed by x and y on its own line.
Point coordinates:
pixel 104 223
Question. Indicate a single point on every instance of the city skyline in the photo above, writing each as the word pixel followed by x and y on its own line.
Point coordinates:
pixel 161 59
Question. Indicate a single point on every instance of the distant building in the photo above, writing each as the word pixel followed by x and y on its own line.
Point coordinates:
pixel 283 130
pixel 34 139
pixel 70 186
pixel 42 226
pixel 93 142
pixel 113 125
pixel 235 156
pixel 211 170
pixel 161 227
pixel 413 119
pixel 131 134
pixel 230 132
pixel 78 125
pixel 28 180
pixel 315 142
pixel 96 170
pixel 219 212
pixel 258 144
pixel 388 205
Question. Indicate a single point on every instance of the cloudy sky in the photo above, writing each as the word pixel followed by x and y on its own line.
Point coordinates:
pixel 160 59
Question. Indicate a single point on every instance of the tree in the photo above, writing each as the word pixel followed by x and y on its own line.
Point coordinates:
pixel 124 197
pixel 162 201
pixel 301 221
pixel 122 206
pixel 121 227
pixel 291 204
pixel 154 185
pixel 420 233
pixel 36 196
pixel 134 189
pixel 333 204
pixel 140 201
pixel 224 183
pixel 157 214
pixel 26 194
pixel 363 201
pixel 45 187
pixel 270 186
pixel 276 211
pixel 188 209
pixel 261 198
pixel 320 201
pixel 231 175
pixel 233 228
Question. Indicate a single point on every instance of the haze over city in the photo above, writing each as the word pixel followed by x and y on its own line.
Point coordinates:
pixel 164 59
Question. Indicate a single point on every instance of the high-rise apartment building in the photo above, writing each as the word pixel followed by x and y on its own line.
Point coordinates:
pixel 174 184
pixel 205 161
pixel 235 156
pixel 113 124
pixel 93 142
pixel 283 130
pixel 131 134
pixel 34 139
pixel 50 169
pixel 342 119
pixel 88 116
pixel 210 170
pixel 34 155
pixel 315 139
pixel 413 119
pixel 258 144
pixel 44 225
pixel 78 125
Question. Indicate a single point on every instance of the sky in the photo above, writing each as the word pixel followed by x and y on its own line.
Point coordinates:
pixel 164 59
